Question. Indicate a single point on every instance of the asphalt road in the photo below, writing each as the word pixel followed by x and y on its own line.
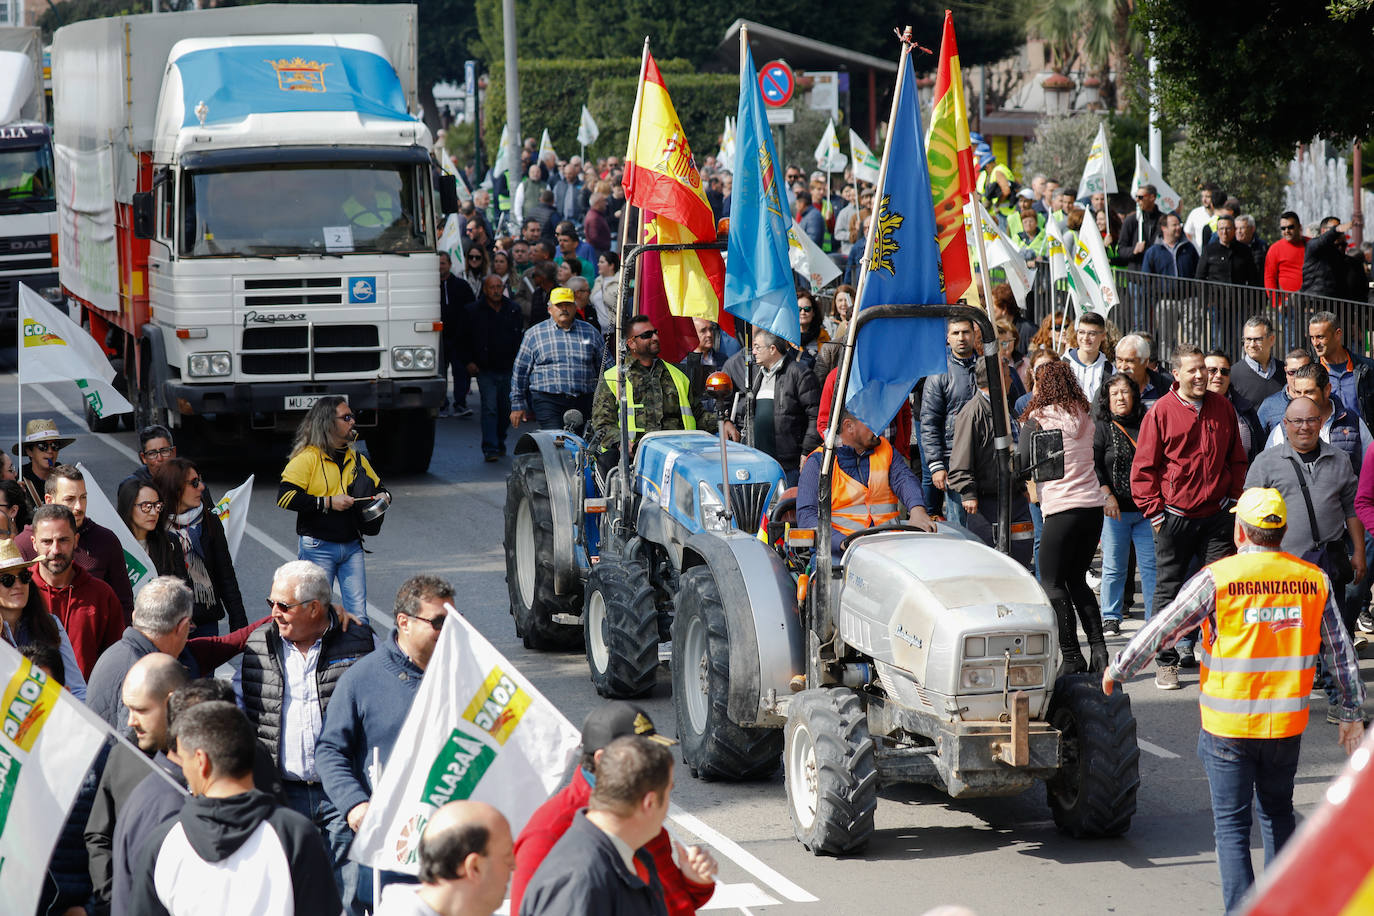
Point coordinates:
pixel 994 855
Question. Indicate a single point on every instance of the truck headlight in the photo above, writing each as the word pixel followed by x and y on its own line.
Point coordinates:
pixel 712 509
pixel 1026 675
pixel 208 365
pixel 409 359
pixel 979 678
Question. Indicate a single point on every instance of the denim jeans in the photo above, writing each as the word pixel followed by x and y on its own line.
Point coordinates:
pixel 310 800
pixel 494 388
pixel 1117 537
pixel 342 562
pixel 1038 521
pixel 548 409
pixel 1241 771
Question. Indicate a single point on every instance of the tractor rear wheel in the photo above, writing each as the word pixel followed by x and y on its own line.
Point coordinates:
pixel 620 629
pixel 529 559
pixel 713 747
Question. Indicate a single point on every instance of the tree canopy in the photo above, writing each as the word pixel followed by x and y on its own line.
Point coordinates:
pixel 1268 74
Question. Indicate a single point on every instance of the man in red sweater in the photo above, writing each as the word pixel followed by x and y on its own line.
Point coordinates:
pixel 684 889
pixel 1189 469
pixel 1283 261
pixel 87 607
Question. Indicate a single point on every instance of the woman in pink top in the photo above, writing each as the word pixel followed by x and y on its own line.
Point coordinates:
pixel 1072 507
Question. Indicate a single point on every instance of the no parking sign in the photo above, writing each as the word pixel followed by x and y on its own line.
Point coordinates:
pixel 777 82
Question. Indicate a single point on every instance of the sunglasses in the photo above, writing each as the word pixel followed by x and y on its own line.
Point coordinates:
pixel 23 577
pixel 160 452
pixel 1284 227
pixel 646 335
pixel 149 506
pixel 436 622
pixel 45 447
pixel 282 605
pixel 195 483
pixel 346 417
pixel 805 308
pixel 1218 370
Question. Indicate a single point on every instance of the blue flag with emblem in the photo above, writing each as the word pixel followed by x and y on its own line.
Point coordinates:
pixel 759 286
pixel 903 268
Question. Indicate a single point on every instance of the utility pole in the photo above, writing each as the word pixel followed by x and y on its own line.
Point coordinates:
pixel 512 95
pixel 1156 141
pixel 1357 214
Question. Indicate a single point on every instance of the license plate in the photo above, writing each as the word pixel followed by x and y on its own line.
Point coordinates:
pixel 301 401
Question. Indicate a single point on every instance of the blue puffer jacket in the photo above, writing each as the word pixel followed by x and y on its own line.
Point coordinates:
pixel 944 395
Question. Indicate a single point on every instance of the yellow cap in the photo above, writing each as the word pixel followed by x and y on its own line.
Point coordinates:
pixel 560 294
pixel 1262 507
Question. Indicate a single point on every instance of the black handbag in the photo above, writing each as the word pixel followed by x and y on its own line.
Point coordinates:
pixel 1331 556
pixel 1047 455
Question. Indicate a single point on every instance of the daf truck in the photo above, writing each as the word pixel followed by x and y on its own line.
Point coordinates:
pixel 247 219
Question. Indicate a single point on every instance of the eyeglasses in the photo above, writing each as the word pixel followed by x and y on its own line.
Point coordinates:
pixel 647 334
pixel 346 417
pixel 44 447
pixel 23 577
pixel 1218 370
pixel 149 506
pixel 1255 340
pixel 436 622
pixel 166 452
pixel 282 605
pixel 195 483
pixel 1291 421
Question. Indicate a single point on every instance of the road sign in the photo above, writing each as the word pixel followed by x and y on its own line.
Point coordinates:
pixel 777 82
pixel 781 116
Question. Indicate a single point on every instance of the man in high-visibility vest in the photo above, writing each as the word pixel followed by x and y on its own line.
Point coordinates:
pixel 658 396
pixel 1265 616
pixel 869 482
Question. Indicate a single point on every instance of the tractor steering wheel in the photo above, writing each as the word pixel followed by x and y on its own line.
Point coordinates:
pixel 877 529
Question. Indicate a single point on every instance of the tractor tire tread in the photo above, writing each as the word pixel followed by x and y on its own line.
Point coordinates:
pixel 534 624
pixel 1096 798
pixel 632 630
pixel 846 771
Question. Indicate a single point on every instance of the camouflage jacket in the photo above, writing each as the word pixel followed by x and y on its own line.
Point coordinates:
pixel 657 396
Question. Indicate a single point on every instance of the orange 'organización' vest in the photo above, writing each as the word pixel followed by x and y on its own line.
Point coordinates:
pixel 854 507
pixel 1258 662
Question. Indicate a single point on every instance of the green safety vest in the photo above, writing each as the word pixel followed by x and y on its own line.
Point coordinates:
pixel 684 397
pixel 378 216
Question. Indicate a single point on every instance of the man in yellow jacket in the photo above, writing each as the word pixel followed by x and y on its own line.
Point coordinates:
pixel 1266 616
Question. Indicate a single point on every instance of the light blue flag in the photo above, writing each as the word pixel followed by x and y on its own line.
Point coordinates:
pixel 891 354
pixel 759 287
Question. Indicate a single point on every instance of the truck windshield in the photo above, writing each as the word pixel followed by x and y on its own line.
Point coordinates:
pixel 26 178
pixel 306 209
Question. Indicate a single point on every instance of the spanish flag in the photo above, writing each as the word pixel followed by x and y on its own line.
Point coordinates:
pixel 661 176
pixel 949 153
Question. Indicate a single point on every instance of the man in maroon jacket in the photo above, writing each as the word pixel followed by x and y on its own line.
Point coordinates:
pixel 87 607
pixel 686 887
pixel 1189 470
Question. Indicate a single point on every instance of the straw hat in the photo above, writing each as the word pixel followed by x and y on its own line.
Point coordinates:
pixel 42 431
pixel 10 558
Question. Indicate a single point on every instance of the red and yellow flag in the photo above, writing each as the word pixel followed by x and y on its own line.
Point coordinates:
pixel 661 176
pixel 949 154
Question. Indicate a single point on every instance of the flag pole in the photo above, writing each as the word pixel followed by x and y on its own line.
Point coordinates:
pixel 990 347
pixel 622 409
pixel 376 779
pixel 748 434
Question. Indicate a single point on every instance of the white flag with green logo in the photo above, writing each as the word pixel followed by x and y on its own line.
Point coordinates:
pixel 1090 255
pixel 47 743
pixel 866 162
pixel 55 349
pixel 232 510
pixel 477 730
pixel 99 510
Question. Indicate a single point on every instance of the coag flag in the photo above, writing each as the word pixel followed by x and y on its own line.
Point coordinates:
pixel 662 177
pixel 49 741
pixel 477 730
pixel 1090 256
pixel 587 131
pixel 55 349
pixel 758 281
pixel 903 268
pixel 1098 175
pixel 1166 198
pixel 546 146
pixel 503 152
pixel 828 155
pixel 726 154
pixel 952 176
pixel 232 510
pixel 1063 273
pixel 866 165
pixel 1000 251
pixel 98 508
pixel 809 260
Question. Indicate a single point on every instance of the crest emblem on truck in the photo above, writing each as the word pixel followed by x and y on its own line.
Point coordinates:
pixel 299 75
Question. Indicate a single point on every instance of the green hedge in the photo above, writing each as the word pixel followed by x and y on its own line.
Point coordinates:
pixel 552 93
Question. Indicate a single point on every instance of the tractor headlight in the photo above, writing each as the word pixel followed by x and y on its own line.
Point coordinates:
pixel 1026 675
pixel 206 365
pixel 979 678
pixel 712 508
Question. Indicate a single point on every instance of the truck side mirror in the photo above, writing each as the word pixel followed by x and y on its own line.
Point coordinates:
pixel 145 221
pixel 448 194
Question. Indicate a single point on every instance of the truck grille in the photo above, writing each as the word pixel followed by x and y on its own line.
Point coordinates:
pixel 287 350
pixel 748 502
pixel 276 291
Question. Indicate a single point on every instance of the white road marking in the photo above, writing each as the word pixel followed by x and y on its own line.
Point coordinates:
pixel 1155 749
pixel 738 897
pixel 379 623
pixel 740 856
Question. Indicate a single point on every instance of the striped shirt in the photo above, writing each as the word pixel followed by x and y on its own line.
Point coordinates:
pixel 556 362
pixel 1197 601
